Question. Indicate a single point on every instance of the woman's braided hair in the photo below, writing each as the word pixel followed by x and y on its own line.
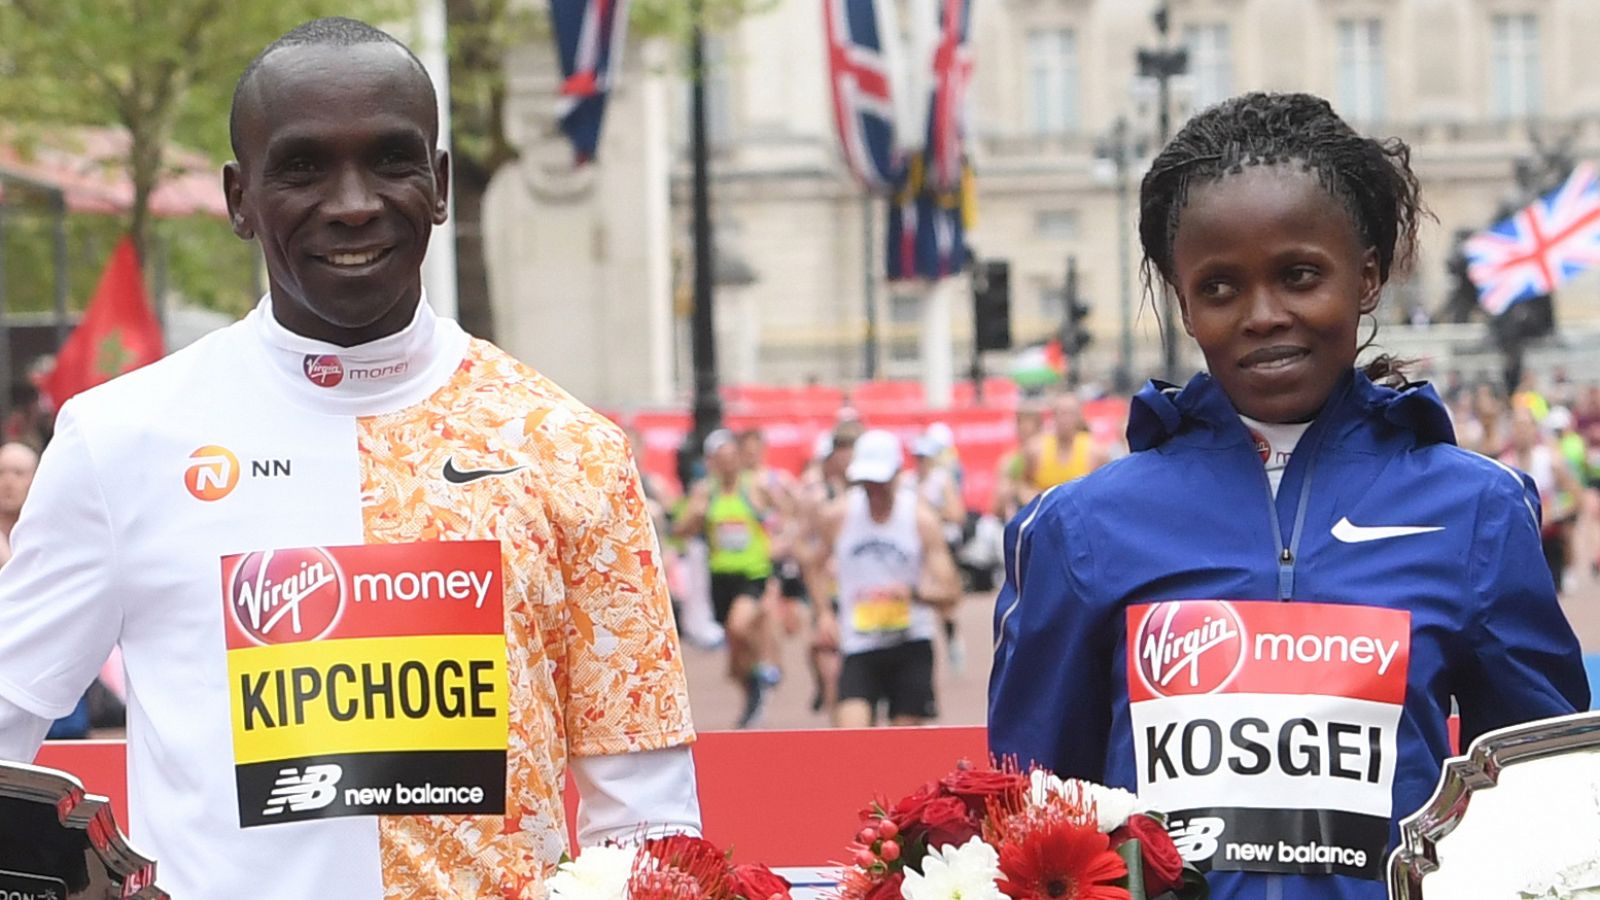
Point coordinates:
pixel 1372 179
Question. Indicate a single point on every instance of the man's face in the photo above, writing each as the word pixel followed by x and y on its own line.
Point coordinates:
pixel 16 476
pixel 341 183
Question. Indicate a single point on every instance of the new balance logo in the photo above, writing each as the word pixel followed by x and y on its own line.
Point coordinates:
pixel 298 791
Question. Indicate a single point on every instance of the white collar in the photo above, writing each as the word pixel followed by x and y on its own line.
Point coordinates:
pixel 366 379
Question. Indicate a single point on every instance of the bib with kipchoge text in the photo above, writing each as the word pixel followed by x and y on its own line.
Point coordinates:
pixel 367 680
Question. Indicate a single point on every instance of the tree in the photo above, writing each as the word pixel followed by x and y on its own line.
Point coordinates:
pixel 162 69
pixel 482 32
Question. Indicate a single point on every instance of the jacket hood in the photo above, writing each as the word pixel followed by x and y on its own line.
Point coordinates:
pixel 1160 411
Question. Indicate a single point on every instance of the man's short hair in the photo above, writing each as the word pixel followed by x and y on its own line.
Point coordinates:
pixel 329 31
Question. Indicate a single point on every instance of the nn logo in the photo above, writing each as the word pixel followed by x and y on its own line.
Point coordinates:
pixel 298 790
pixel 213 472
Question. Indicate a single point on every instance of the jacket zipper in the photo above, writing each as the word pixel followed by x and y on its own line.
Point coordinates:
pixel 1287 554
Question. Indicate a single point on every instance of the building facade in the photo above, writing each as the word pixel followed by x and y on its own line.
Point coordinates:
pixel 1477 87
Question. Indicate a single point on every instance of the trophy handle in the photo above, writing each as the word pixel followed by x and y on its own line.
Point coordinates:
pixel 1479 770
pixel 131 874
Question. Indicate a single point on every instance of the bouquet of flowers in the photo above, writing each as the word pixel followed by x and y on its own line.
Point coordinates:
pixel 676 867
pixel 987 834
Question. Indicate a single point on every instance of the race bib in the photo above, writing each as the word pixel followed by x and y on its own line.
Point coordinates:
pixel 367 680
pixel 882 610
pixel 1268 730
pixel 733 536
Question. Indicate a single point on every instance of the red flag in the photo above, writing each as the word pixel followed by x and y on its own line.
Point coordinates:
pixel 118 332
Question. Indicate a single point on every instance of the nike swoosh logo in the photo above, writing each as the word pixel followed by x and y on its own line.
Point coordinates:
pixel 457 476
pixel 1360 534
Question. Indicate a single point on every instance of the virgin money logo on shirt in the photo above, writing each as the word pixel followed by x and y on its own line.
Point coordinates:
pixel 1195 647
pixel 327 370
pixel 323 370
pixel 286 595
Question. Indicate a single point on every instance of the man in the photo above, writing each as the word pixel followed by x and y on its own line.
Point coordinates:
pixel 894 573
pixel 821 482
pixel 370 576
pixel 17 464
pixel 1065 452
pixel 730 511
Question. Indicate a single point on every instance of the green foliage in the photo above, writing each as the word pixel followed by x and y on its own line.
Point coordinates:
pixel 165 71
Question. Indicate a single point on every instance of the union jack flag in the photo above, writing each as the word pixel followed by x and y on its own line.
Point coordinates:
pixel 927 233
pixel 589 36
pixel 861 36
pixel 952 73
pixel 1530 254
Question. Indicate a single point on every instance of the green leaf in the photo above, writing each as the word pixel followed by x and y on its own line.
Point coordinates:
pixel 1130 853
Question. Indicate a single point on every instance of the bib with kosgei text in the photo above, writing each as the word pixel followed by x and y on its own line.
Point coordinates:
pixel 1267 730
pixel 367 680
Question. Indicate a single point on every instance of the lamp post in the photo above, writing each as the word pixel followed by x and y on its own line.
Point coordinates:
pixel 707 402
pixel 1163 64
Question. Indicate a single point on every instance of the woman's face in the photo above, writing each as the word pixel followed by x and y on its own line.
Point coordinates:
pixel 1272 279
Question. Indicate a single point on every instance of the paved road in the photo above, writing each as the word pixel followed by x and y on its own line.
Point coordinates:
pixel 716 701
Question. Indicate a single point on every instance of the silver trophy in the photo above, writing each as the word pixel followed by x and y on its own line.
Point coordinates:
pixel 59 843
pixel 1516 817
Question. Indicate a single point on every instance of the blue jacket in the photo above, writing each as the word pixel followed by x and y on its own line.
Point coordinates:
pixel 1190 516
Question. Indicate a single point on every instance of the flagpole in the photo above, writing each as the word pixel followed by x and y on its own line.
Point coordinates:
pixel 869 288
pixel 707 403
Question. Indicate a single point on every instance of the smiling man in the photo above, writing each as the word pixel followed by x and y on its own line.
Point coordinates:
pixel 378 586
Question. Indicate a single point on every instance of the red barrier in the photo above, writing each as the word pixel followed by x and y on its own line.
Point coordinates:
pixel 786 798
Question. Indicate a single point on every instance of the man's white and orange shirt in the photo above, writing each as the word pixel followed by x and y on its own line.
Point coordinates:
pixel 372 602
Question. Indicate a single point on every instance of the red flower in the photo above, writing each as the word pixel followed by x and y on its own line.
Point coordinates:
pixel 909 809
pixel 663 859
pixel 1060 859
pixel 976 787
pixel 946 821
pixel 753 881
pixel 1163 866
pixel 888 889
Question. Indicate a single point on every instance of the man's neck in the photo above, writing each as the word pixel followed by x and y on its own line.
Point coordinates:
pixel 880 504
pixel 8 521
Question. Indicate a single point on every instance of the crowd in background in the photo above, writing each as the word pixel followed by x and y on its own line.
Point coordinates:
pixel 1548 428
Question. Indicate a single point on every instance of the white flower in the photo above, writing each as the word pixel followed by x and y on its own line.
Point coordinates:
pixel 1041 785
pixel 599 873
pixel 1112 806
pixel 967 872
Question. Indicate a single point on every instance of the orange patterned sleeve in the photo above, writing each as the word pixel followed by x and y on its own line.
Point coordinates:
pixel 619 671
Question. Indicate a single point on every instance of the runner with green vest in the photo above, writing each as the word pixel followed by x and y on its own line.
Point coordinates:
pixel 729 511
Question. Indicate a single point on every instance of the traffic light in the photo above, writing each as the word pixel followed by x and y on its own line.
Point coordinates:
pixel 991 305
pixel 1074 334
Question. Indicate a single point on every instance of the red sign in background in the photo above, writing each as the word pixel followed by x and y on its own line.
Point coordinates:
pixel 748 797
pixel 790 419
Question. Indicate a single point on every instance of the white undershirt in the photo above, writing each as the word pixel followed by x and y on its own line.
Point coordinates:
pixel 1276 443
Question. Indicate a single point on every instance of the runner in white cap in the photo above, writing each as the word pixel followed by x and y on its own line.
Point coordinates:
pixel 884 548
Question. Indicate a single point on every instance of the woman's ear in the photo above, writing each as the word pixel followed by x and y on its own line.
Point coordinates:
pixel 1371 281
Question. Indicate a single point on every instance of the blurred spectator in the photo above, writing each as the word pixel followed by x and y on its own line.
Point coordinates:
pixel 17 464
pixel 1532 452
pixel 1065 452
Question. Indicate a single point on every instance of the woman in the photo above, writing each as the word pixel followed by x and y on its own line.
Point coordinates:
pixel 1259 619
